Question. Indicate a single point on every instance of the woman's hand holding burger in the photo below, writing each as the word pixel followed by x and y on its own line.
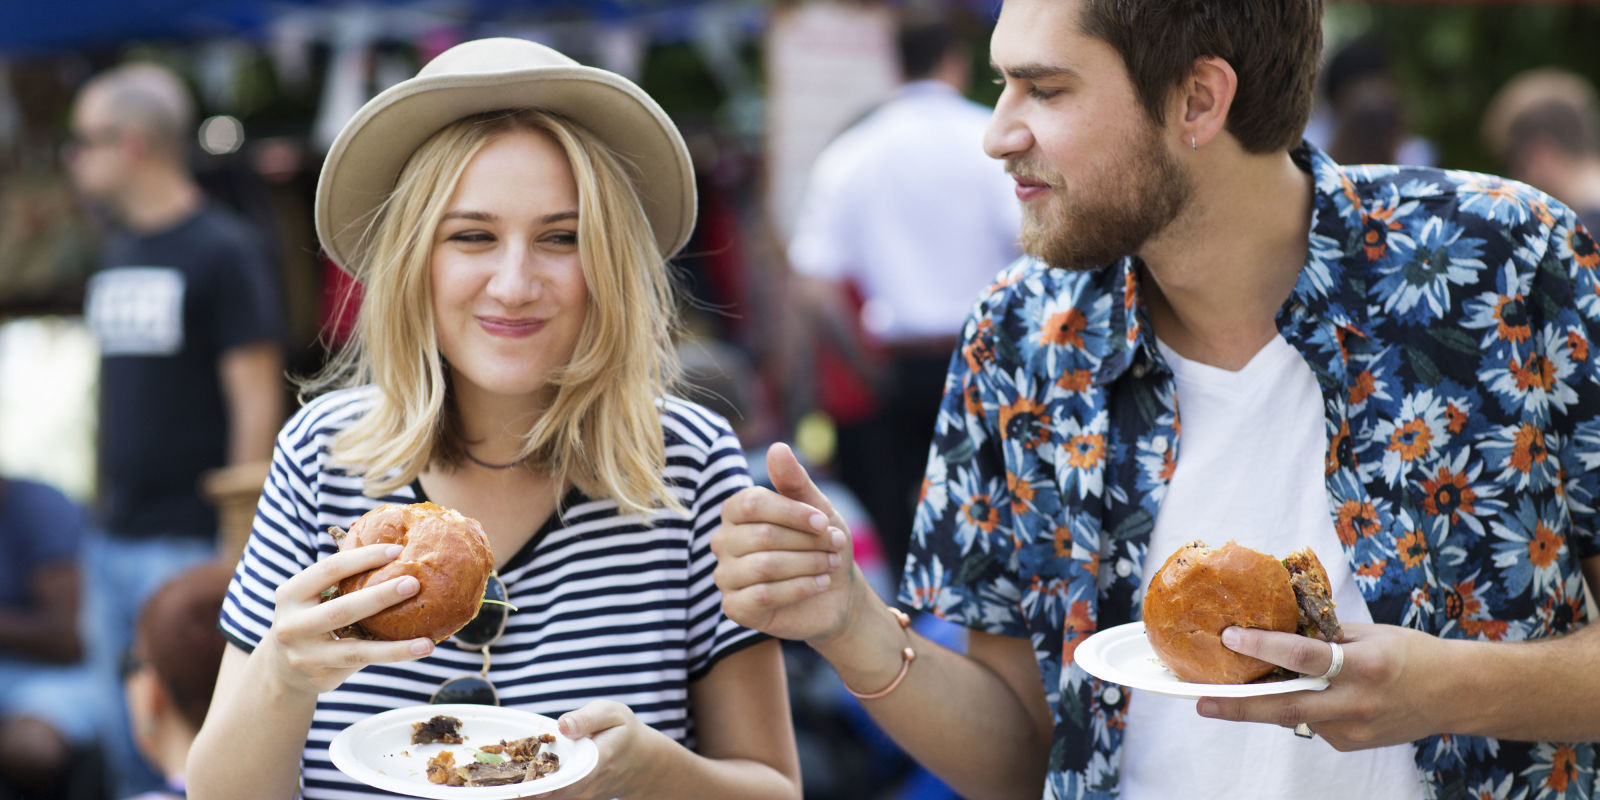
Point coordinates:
pixel 302 649
pixel 1389 691
pixel 405 577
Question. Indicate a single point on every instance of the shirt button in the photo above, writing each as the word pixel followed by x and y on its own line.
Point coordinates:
pixel 1159 444
pixel 1124 569
pixel 1139 370
pixel 1111 696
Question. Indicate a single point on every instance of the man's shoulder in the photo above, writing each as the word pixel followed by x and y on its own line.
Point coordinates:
pixel 1021 286
pixel 1479 203
pixel 224 228
pixel 34 494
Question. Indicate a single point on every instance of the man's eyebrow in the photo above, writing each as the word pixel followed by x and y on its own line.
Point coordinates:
pixel 1033 72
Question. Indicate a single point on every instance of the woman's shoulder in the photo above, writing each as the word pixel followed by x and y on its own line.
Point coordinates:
pixel 689 423
pixel 326 415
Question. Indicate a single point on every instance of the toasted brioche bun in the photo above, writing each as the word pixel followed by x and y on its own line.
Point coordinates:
pixel 446 552
pixel 1198 592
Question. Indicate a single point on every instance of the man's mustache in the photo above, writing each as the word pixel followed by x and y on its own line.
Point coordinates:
pixel 1035 174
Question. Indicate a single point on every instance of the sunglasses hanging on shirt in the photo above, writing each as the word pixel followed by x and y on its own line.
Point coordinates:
pixel 480 634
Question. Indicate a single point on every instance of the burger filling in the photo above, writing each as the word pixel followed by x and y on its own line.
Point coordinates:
pixel 1316 606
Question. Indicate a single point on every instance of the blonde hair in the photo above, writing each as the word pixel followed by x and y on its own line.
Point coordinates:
pixel 600 430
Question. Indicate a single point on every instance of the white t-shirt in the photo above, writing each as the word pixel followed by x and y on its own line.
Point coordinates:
pixel 908 206
pixel 1250 469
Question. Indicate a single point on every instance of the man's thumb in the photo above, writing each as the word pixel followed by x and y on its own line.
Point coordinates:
pixel 790 479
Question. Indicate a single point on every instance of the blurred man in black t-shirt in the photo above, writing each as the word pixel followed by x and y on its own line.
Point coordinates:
pixel 185 308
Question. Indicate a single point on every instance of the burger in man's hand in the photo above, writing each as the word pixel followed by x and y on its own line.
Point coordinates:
pixel 1199 591
pixel 447 552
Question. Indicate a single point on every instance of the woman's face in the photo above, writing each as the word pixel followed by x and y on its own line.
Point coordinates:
pixel 508 290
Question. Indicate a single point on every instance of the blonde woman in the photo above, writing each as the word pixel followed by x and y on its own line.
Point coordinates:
pixel 509 212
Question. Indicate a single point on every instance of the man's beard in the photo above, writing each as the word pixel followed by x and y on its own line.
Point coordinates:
pixel 1110 218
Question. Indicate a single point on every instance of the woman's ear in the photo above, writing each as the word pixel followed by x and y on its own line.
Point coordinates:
pixel 1205 99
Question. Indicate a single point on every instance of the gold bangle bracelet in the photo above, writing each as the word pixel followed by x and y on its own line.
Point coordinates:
pixel 907 656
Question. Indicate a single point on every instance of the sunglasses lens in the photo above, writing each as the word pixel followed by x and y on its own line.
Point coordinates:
pixel 491 619
pixel 467 689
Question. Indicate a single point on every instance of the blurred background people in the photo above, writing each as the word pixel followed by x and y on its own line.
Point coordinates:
pixel 904 209
pixel 1544 125
pixel 186 314
pixel 1364 118
pixel 47 713
pixel 171 669
pixel 843 753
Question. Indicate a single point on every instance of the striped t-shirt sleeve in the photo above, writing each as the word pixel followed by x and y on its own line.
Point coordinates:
pixel 721 473
pixel 283 539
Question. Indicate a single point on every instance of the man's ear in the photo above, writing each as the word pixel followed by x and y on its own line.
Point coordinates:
pixel 1205 98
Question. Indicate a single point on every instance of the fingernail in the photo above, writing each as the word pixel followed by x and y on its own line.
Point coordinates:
pixel 819 522
pixel 823 581
pixel 422 647
pixel 838 539
pixel 1207 708
pixel 833 561
pixel 565 726
pixel 394 551
pixel 407 586
pixel 1230 638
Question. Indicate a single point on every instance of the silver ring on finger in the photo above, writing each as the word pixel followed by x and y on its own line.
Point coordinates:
pixel 1335 664
pixel 1304 731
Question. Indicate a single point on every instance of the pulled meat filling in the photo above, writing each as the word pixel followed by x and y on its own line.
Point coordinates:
pixel 1316 607
pixel 440 729
pixel 516 761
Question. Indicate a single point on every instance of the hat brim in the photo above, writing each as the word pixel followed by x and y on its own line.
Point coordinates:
pixel 365 160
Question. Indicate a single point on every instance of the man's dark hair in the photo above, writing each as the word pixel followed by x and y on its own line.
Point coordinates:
pixel 1362 57
pixel 1272 45
pixel 923 41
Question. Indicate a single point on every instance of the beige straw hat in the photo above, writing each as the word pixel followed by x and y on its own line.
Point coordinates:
pixel 490 75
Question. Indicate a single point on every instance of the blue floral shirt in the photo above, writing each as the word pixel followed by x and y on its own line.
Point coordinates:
pixel 1448 318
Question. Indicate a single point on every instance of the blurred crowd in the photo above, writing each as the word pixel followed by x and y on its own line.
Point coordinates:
pixel 829 326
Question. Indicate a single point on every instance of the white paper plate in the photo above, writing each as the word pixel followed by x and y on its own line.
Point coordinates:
pixel 1123 655
pixel 378 751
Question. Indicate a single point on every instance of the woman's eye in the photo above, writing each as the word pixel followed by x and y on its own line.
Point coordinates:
pixel 472 237
pixel 564 238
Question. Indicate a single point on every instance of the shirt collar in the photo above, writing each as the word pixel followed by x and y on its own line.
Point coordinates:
pixel 1324 288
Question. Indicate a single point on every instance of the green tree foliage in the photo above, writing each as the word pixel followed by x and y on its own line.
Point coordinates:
pixel 1451 58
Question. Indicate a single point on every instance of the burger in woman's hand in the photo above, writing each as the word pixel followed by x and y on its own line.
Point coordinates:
pixel 446 552
pixel 1199 591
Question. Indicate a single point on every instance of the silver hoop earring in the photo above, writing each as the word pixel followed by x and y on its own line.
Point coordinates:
pixel 1193 145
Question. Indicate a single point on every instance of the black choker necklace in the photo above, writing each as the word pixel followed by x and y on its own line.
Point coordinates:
pixel 487 465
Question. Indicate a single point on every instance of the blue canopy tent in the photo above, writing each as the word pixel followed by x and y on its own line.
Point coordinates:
pixel 40 27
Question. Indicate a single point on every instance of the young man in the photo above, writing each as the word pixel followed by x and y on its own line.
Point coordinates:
pixel 185 309
pixel 1391 366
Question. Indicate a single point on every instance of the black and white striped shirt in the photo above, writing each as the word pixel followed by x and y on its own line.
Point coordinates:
pixel 606 606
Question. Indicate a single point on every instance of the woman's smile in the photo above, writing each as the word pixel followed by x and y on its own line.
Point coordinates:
pixel 511 327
